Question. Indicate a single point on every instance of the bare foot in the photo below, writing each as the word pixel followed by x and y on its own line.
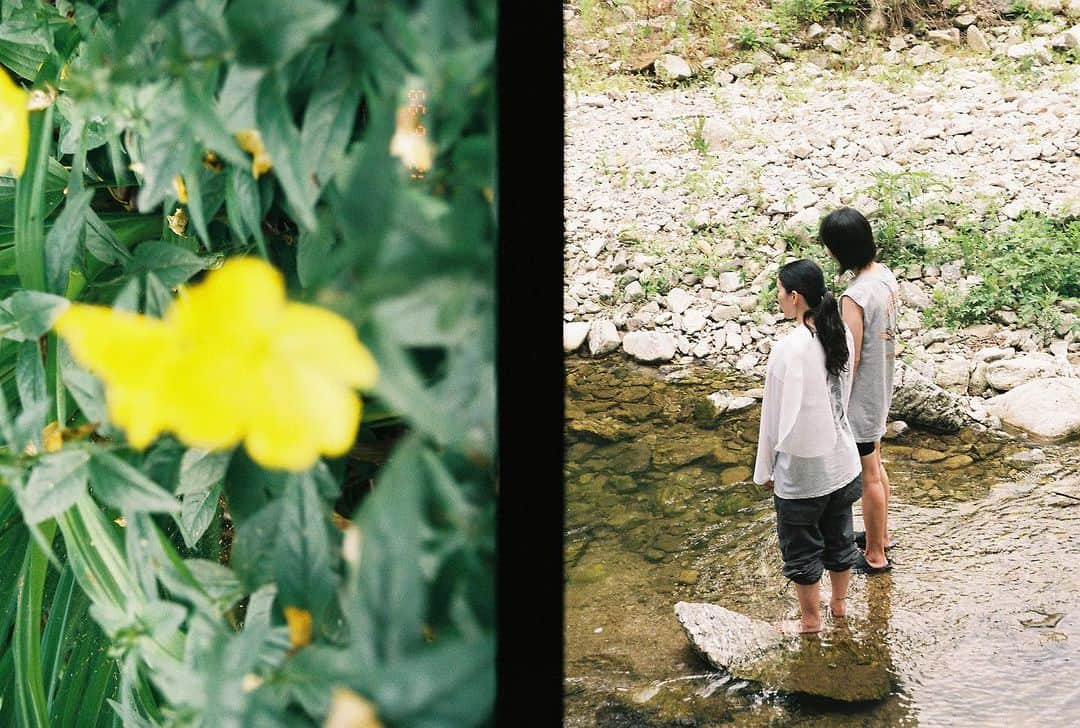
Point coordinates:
pixel 838 607
pixel 797 626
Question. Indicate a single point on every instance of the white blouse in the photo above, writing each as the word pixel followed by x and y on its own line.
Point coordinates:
pixel 805 444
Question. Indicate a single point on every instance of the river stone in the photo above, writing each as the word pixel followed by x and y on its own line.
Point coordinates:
pixel 738 474
pixel 605 429
pixel 694 321
pixel 976 40
pixel 926 455
pixel 573 335
pixel 623 484
pixel 1048 407
pixel 678 300
pixel 1007 374
pixel 958 461
pixel 670 68
pixel 752 649
pixel 913 295
pixel 649 346
pixel 603 337
pixel 952 374
pixel 637 458
pixel 687 577
pixel 918 401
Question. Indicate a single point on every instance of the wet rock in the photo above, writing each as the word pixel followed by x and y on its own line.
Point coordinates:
pixel 1047 407
pixel 1007 374
pixel 687 577
pixel 958 461
pixel 604 429
pixel 635 458
pixel 730 476
pixel 754 650
pixel 926 455
pixel 725 403
pixel 623 484
pixel 649 346
pixel 721 455
pixel 918 401
pixel 574 335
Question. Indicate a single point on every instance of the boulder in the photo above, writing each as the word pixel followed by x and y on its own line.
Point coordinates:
pixel 1007 374
pixel 603 337
pixel 918 401
pixel 976 40
pixel 1048 407
pixel 649 346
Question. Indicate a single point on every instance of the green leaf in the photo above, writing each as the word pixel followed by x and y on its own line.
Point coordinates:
pixel 167 149
pixel 102 242
pixel 197 511
pixel 386 600
pixel 328 120
pixel 271 33
pixel 123 487
pixel 303 556
pixel 29 315
pixel 30 375
pixel 30 693
pixel 447 684
pixel 30 209
pixel 86 389
pixel 314 264
pixel 243 206
pixel 202 33
pixel 54 486
pixel 64 240
pixel 282 142
pixel 24 59
pixel 254 545
pixel 171 264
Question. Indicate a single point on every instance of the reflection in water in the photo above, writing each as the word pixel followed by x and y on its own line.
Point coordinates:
pixel 660 509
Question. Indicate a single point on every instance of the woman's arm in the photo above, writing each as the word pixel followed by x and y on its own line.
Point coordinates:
pixel 770 421
pixel 852 314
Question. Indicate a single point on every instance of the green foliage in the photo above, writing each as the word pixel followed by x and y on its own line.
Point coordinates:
pixel 909 203
pixel 1028 268
pixel 814 11
pixel 1029 13
pixel 697 137
pixel 751 39
pixel 149 588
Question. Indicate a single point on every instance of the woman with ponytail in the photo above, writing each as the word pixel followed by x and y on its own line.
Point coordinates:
pixel 806 451
pixel 868 307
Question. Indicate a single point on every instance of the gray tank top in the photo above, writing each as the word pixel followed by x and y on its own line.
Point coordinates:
pixel 877 293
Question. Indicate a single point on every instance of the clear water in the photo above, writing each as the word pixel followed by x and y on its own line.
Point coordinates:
pixel 660 509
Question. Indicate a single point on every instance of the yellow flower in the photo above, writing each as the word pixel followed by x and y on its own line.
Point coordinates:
pixel 410 143
pixel 349 710
pixel 180 188
pixel 14 127
pixel 232 361
pixel 250 140
pixel 299 621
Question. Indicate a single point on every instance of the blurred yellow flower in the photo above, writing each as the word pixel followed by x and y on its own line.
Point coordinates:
pixel 232 361
pixel 14 127
pixel 180 188
pixel 250 140
pixel 299 621
pixel 349 710
pixel 410 143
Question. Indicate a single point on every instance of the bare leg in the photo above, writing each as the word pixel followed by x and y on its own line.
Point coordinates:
pixel 809 606
pixel 839 581
pixel 887 490
pixel 874 509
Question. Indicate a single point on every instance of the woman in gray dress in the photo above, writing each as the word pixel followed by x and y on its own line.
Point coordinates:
pixel 869 308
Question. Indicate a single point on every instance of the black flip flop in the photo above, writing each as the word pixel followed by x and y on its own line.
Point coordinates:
pixel 862 567
pixel 860 541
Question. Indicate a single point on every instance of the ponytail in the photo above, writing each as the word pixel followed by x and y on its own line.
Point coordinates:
pixel 830 332
pixel 806 277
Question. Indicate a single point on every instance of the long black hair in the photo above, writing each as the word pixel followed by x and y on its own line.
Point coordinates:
pixel 806 277
pixel 848 235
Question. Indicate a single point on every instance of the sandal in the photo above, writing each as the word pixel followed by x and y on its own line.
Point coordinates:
pixel 862 567
pixel 860 541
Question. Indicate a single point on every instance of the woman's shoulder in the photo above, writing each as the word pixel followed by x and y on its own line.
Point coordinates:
pixel 792 341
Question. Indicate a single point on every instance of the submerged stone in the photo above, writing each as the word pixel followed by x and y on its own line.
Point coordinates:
pixel 840 668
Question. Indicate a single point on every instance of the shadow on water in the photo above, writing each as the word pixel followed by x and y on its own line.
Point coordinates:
pixel 977 625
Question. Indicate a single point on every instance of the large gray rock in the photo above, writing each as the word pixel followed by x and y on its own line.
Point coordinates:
pixel 649 346
pixel 1007 374
pixel 678 300
pixel 1048 408
pixel 603 337
pixel 573 335
pixel 976 40
pixel 918 401
pixel 752 649
pixel 913 295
